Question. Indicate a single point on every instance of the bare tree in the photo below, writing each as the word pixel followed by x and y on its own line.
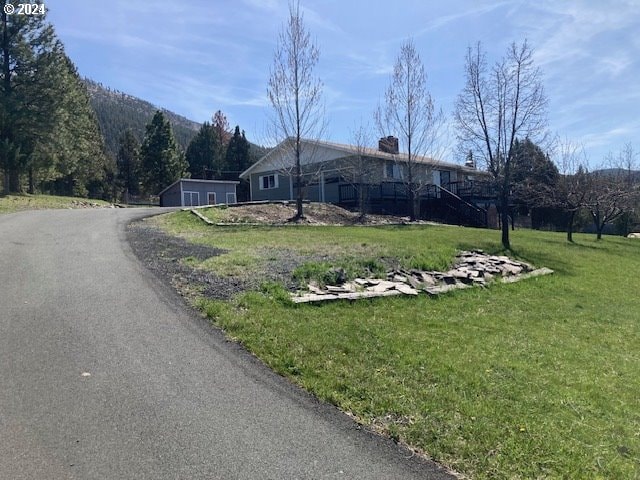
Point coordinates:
pixel 628 162
pixel 613 191
pixel 573 184
pixel 359 170
pixel 295 93
pixel 409 113
pixel 497 106
pixel 221 131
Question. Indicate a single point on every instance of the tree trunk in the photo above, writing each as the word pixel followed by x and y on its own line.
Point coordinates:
pixel 598 224
pixel 14 181
pixel 299 211
pixel 413 210
pixel 6 73
pixel 570 227
pixel 504 215
pixel 32 188
pixel 362 207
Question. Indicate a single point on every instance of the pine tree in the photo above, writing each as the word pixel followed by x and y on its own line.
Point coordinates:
pixel 82 167
pixel 237 157
pixel 237 161
pixel 533 176
pixel 202 151
pixel 162 163
pixel 48 130
pixel 530 163
pixel 128 165
pixel 29 93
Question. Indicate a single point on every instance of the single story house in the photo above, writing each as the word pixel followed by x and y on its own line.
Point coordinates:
pixel 334 173
pixel 193 192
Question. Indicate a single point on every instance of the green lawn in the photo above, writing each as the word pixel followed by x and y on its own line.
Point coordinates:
pixel 16 203
pixel 539 379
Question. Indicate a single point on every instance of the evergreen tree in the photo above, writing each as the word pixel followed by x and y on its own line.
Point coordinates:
pixel 531 163
pixel 48 130
pixel 81 166
pixel 202 150
pixel 533 173
pixel 237 161
pixel 237 157
pixel 29 90
pixel 128 165
pixel 161 161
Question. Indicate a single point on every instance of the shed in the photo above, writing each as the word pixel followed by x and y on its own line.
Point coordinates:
pixel 193 192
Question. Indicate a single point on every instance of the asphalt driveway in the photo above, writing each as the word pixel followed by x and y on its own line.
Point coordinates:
pixel 105 374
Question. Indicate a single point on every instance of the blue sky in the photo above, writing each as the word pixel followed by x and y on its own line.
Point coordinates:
pixel 199 56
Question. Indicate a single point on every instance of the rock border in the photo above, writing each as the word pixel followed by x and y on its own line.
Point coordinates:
pixel 472 268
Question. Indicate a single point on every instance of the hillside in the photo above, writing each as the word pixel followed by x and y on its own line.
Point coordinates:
pixel 618 173
pixel 117 111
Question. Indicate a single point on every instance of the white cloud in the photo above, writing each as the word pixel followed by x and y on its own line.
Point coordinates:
pixel 269 5
pixel 452 18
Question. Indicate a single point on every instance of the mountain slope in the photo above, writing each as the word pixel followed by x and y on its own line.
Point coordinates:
pixel 117 112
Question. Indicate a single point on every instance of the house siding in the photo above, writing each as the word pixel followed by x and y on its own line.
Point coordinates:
pixel 282 192
pixel 331 164
pixel 172 197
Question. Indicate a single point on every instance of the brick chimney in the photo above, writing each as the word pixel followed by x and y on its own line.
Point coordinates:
pixel 388 145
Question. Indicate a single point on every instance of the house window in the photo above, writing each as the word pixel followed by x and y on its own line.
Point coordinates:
pixel 445 178
pixel 231 198
pixel 268 181
pixel 392 170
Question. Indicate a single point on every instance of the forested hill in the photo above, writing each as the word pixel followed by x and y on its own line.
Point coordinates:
pixel 633 175
pixel 117 112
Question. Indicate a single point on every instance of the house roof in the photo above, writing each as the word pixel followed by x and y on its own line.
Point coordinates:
pixel 353 150
pixel 199 180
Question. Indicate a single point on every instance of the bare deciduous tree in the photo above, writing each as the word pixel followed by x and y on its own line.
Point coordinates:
pixel 295 93
pixel 359 170
pixel 612 191
pixel 409 113
pixel 573 185
pixel 497 106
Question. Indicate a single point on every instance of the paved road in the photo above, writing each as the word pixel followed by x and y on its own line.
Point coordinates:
pixel 105 374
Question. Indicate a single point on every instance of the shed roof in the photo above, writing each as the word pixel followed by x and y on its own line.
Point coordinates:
pixel 200 180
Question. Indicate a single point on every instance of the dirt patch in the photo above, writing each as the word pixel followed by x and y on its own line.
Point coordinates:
pixel 165 256
pixel 315 214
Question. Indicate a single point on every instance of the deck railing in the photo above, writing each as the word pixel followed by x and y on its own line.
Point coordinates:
pixel 435 195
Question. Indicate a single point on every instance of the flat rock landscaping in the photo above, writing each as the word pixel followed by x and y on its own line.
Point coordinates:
pixel 470 268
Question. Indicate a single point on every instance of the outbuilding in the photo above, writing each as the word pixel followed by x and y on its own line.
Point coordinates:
pixel 193 192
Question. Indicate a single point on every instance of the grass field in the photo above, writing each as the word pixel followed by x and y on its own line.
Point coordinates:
pixel 16 203
pixel 539 379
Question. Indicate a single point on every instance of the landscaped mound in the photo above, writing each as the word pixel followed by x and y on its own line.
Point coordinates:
pixel 280 213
